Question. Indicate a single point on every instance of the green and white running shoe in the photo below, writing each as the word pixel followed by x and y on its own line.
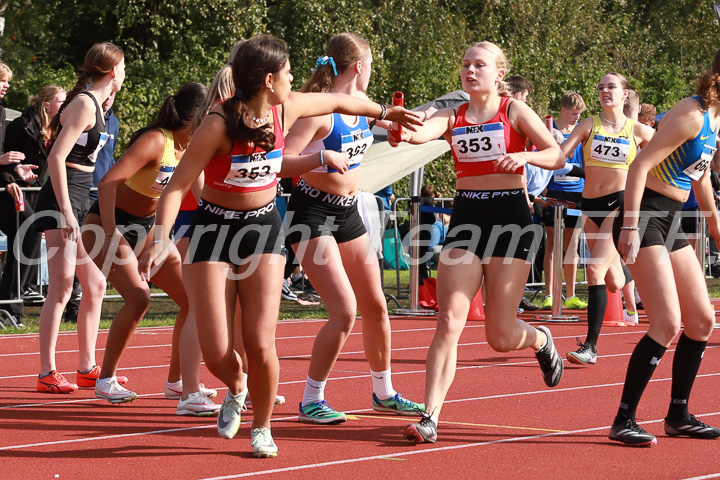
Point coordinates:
pixel 262 443
pixel 321 413
pixel 228 421
pixel 397 404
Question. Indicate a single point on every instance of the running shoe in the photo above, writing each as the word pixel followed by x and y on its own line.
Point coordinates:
pixel 397 404
pixel 279 400
pixel 286 293
pixel 691 427
pixel 631 434
pixel 262 443
pixel 630 319
pixel 87 380
pixel 321 413
pixel 547 302
pixel 527 306
pixel 54 382
pixel 198 405
pixel 173 391
pixel 583 355
pixel 228 421
pixel 549 359
pixel 425 431
pixel 113 392
pixel 574 303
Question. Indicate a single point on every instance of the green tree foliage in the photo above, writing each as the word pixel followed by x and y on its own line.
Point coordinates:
pixel 560 45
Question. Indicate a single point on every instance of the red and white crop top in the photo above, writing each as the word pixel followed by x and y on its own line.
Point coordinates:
pixel 245 168
pixel 476 146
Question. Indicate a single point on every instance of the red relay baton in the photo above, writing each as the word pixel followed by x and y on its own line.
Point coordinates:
pixel 549 122
pixel 398 99
pixel 20 203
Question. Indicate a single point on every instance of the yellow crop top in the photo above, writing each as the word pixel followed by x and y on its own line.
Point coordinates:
pixel 610 151
pixel 151 181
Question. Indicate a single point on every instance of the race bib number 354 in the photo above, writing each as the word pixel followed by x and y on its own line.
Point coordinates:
pixel 479 143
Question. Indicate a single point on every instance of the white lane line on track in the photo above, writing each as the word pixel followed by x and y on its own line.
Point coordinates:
pixel 405 453
pixel 296 337
pixel 705 477
pixel 295 357
pixel 149 329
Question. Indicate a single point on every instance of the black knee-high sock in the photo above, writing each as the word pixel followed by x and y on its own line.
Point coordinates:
pixel 597 302
pixel 686 363
pixel 643 361
pixel 628 275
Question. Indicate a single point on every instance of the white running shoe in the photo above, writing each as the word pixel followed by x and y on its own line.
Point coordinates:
pixel 631 319
pixel 198 405
pixel 113 392
pixel 173 391
pixel 228 421
pixel 279 400
pixel 262 443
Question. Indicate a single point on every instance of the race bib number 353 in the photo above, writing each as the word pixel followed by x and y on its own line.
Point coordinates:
pixel 255 170
pixel 479 143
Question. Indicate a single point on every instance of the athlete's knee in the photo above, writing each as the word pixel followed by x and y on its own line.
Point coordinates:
pixel 666 331
pixel 501 342
pixel 701 326
pixel 138 301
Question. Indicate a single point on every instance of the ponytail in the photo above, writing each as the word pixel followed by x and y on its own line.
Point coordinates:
pixel 178 111
pixel 240 128
pixel 343 50
pixel 81 84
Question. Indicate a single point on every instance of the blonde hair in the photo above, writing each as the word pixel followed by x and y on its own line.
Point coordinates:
pixel 5 72
pixel 501 63
pixel 45 95
pixel 344 49
pixel 221 88
pixel 572 101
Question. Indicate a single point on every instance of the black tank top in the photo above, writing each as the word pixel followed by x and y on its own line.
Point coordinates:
pixel 90 142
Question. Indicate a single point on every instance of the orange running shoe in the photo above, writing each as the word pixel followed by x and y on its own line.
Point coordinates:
pixel 55 383
pixel 87 380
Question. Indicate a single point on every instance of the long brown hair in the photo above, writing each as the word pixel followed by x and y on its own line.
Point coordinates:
pixel 344 49
pixel 708 84
pixel 99 61
pixel 254 59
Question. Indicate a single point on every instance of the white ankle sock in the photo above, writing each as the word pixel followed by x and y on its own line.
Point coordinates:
pixel 382 384
pixel 314 391
pixel 100 381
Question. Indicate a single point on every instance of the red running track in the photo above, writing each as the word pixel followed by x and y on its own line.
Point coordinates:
pixel 499 421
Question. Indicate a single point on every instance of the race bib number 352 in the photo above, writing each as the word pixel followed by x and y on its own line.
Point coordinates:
pixel 479 143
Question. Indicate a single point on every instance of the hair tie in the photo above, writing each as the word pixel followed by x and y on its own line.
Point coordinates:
pixel 324 61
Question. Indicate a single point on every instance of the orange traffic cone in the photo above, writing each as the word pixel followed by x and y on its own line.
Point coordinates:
pixel 477 311
pixel 614 311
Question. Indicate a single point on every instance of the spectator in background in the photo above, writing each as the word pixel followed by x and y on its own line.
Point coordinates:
pixel 427 199
pixel 105 160
pixel 520 87
pixel 631 109
pixel 647 114
pixel 28 135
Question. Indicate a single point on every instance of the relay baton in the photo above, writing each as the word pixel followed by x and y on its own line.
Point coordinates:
pixel 20 203
pixel 549 122
pixel 398 99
